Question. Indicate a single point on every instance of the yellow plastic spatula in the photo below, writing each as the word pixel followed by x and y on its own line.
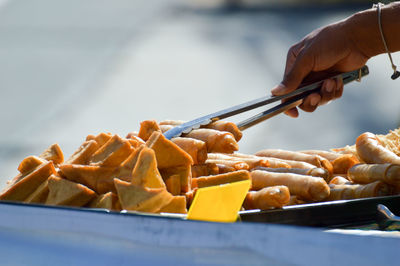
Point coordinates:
pixel 219 203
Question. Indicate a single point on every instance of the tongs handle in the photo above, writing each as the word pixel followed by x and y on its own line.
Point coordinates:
pixel 295 96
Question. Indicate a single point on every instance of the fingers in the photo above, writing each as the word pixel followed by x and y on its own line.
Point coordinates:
pixel 331 90
pixel 292 112
pixel 311 102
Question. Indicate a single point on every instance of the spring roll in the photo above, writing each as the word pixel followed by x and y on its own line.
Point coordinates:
pixel 267 198
pixel 251 161
pixel 355 191
pixel 294 200
pixel 270 162
pixel 370 150
pixel 318 172
pixel 315 160
pixel 339 180
pixel 307 187
pixel 216 141
pixel 237 165
pixel 368 173
pixel 330 156
pixel 226 126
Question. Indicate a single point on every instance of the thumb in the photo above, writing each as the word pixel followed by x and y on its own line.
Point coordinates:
pixel 291 81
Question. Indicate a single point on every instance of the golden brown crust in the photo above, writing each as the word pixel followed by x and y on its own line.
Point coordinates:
pixel 306 187
pixel 267 198
pixel 29 183
pixel 207 181
pixel 54 154
pixel 147 128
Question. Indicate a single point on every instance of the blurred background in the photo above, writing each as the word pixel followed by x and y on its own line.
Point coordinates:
pixel 73 68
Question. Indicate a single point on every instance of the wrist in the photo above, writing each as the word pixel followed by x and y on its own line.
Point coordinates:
pixel 364 32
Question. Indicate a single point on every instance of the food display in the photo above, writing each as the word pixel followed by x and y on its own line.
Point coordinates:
pixel 146 172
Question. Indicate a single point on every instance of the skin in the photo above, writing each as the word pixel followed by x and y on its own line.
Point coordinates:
pixel 339 47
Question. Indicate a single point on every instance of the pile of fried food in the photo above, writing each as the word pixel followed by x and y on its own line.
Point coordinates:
pixel 146 172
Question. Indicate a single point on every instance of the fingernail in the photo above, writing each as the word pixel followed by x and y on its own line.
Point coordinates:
pixel 329 86
pixel 314 101
pixel 278 89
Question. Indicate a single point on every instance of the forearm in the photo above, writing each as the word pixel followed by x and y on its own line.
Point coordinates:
pixel 364 30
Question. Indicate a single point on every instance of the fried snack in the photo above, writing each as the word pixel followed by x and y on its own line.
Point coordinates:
pixel 251 161
pixel 318 172
pixel 177 205
pixel 343 163
pixel 168 154
pixel 172 122
pixel 27 184
pixel 173 184
pixel 277 163
pixel 371 151
pixel 189 197
pixel 208 181
pixel 315 160
pixel 355 191
pixel 368 173
pixel 124 171
pixel 236 165
pixel 197 149
pixel 40 194
pixel 330 156
pixel 222 168
pixel 307 187
pixel 97 178
pixel 165 128
pixel 83 154
pixel 29 164
pixel 184 173
pixel 340 180
pixel 216 141
pixel 138 198
pixel 134 139
pixel 217 125
pixel 54 154
pixel 135 143
pixel 68 193
pixel 112 153
pixel 340 162
pixel 226 126
pixel 291 163
pixel 101 138
pixel 294 200
pixel 146 173
pixel 147 128
pixel 265 160
pixel 267 198
pixel 107 201
pixel 204 169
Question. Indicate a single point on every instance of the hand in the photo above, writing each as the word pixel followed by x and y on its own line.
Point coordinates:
pixel 328 49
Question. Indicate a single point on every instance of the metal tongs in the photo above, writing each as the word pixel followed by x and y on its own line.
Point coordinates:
pixel 292 100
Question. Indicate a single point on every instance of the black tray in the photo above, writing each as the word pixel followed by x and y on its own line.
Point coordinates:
pixel 336 214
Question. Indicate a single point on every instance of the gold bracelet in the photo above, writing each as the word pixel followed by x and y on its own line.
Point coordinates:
pixel 396 73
